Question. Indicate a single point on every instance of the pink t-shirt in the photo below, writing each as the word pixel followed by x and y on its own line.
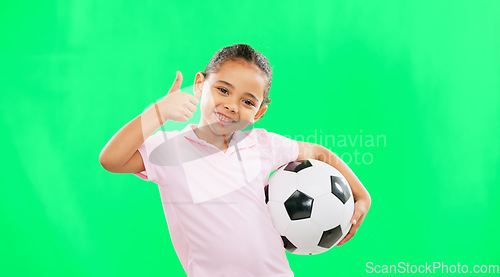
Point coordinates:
pixel 214 202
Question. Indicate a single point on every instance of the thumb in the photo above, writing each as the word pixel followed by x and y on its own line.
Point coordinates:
pixel 177 83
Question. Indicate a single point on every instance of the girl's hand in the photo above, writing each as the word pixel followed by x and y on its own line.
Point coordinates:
pixel 361 207
pixel 176 105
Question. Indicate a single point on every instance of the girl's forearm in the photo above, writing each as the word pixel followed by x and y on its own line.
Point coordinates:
pixel 127 140
pixel 358 190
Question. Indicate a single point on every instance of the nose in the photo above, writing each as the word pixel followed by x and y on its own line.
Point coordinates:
pixel 230 106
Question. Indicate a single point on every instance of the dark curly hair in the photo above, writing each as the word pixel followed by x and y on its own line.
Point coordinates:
pixel 244 52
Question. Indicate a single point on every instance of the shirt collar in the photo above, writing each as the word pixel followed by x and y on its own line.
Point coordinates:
pixel 243 139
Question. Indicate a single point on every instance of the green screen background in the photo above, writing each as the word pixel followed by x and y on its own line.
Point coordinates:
pixel 423 76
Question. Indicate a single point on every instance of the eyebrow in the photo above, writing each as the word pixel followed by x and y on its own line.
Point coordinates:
pixel 230 85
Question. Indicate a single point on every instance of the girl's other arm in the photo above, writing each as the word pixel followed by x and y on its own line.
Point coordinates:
pixel 120 155
pixel 362 199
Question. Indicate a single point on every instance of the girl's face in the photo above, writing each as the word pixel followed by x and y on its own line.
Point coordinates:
pixel 231 97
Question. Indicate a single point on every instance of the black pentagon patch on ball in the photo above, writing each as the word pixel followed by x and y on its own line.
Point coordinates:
pixel 329 237
pixel 340 189
pixel 296 166
pixel 288 244
pixel 299 205
pixel 266 192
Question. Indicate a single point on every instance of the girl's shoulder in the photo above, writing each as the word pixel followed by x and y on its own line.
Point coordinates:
pixel 262 132
pixel 255 133
pixel 264 136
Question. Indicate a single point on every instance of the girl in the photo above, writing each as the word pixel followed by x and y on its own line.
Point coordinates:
pixel 211 175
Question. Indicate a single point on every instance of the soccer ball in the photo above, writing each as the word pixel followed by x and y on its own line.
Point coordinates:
pixel 311 205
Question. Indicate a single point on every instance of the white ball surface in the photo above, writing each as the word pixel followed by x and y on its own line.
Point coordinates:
pixel 311 205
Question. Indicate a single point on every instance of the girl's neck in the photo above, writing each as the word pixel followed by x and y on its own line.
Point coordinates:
pixel 220 141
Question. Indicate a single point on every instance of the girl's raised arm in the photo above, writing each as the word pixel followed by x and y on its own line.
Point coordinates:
pixel 120 155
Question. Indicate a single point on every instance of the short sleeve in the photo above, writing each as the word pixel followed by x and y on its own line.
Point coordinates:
pixel 150 173
pixel 284 150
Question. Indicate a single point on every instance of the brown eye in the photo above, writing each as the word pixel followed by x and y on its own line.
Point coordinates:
pixel 248 102
pixel 224 91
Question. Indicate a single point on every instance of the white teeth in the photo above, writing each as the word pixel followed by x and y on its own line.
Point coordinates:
pixel 224 119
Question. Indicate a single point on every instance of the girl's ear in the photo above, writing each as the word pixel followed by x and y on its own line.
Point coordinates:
pixel 260 113
pixel 198 84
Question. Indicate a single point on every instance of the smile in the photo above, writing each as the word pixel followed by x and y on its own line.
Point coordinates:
pixel 224 119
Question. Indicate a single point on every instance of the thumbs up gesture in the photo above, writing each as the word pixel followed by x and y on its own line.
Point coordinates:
pixel 176 105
